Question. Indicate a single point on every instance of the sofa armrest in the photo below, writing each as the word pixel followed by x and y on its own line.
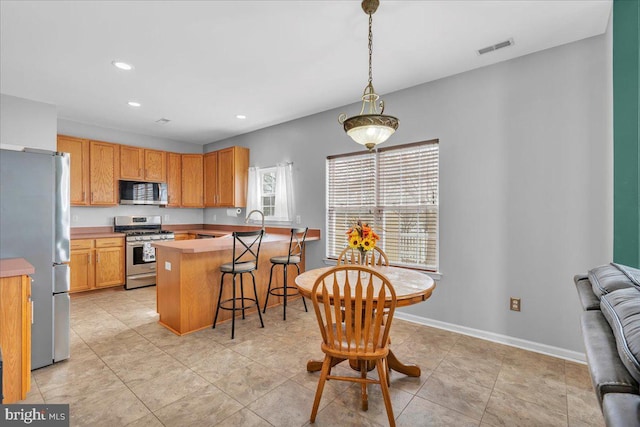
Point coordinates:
pixel 608 373
pixel 621 410
pixel 588 299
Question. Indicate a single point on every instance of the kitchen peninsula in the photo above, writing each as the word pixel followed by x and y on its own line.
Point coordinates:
pixel 188 277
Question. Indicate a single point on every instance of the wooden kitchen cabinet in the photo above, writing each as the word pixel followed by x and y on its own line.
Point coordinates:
pixel 192 181
pixel 78 150
pixel 211 179
pixel 104 161
pixel 140 164
pixel 131 163
pixel 97 263
pixel 174 180
pixel 81 266
pixel 155 165
pixel 15 337
pixel 225 177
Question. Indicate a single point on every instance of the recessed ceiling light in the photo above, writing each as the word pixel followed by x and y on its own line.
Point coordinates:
pixel 162 121
pixel 134 104
pixel 122 65
pixel 241 116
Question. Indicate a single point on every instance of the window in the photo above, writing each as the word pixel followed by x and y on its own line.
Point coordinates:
pixel 271 191
pixel 396 191
pixel 268 191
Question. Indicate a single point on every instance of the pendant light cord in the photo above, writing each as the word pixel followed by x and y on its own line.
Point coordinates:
pixel 370 47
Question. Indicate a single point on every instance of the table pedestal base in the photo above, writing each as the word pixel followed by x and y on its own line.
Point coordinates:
pixel 409 370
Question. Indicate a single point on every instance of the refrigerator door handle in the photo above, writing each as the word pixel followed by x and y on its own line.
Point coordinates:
pixel 62 208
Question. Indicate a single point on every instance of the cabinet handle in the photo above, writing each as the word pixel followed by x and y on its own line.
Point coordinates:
pixel 89 259
pixel 97 257
pixel 31 301
pixel 140 172
pixel 83 199
pixel 92 196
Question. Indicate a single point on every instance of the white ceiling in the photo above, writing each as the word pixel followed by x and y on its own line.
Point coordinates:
pixel 199 63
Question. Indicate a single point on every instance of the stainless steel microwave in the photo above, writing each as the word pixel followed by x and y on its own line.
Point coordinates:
pixel 143 193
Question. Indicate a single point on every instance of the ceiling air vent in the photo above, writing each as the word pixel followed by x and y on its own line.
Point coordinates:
pixel 496 46
pixel 162 121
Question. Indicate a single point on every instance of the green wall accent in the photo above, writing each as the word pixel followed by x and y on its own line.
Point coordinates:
pixel 626 130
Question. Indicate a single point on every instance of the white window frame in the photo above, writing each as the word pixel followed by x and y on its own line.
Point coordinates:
pixel 381 188
pixel 261 174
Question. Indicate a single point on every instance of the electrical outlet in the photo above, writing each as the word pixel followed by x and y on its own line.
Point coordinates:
pixel 166 217
pixel 298 219
pixel 74 218
pixel 214 217
pixel 514 304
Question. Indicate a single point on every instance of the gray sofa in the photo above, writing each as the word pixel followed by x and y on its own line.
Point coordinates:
pixel 610 297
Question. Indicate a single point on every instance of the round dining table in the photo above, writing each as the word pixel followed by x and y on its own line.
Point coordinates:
pixel 411 287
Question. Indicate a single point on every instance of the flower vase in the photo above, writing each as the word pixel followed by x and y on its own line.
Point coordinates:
pixel 363 257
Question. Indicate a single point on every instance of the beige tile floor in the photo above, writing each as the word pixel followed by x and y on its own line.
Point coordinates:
pixel 126 370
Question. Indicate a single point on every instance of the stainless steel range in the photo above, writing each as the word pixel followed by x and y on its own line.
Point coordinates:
pixel 140 256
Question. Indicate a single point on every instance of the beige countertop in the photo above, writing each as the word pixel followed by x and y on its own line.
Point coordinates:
pixel 211 245
pixel 215 233
pixel 10 267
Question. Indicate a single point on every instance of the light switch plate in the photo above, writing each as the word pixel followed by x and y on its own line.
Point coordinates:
pixel 167 265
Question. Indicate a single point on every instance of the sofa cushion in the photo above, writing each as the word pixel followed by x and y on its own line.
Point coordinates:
pixel 622 310
pixel 621 410
pixel 608 373
pixel 588 299
pixel 611 277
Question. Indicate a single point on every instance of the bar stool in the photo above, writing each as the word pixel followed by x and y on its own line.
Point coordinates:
pixel 246 247
pixel 296 246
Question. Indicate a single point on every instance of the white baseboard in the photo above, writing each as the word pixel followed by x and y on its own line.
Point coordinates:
pixel 562 353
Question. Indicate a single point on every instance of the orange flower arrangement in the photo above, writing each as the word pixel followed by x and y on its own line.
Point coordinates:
pixel 362 237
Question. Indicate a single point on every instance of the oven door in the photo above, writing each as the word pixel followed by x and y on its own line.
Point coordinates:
pixel 141 265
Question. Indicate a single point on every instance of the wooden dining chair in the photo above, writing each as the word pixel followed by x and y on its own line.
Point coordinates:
pixel 373 257
pixel 354 306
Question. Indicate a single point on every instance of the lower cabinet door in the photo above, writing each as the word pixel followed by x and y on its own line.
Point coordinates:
pixel 109 266
pixel 81 266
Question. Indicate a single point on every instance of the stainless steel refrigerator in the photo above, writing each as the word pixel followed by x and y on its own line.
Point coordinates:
pixel 34 225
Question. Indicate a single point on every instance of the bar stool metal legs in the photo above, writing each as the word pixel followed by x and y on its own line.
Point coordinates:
pixel 282 291
pixel 233 300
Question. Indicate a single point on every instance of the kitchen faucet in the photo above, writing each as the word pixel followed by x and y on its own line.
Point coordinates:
pixel 249 215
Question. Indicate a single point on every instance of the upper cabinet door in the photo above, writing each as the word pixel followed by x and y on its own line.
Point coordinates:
pixel 192 177
pixel 155 165
pixel 174 180
pixel 104 166
pixel 131 163
pixel 78 150
pixel 211 179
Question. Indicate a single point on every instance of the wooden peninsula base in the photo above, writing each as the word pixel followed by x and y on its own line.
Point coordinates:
pixel 188 279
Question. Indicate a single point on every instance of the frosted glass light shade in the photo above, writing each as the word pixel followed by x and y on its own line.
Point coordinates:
pixel 370 129
pixel 370 135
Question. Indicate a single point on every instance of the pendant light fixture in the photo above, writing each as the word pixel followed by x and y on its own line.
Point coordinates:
pixel 370 127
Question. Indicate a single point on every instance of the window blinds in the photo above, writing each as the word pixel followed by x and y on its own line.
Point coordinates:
pixel 396 191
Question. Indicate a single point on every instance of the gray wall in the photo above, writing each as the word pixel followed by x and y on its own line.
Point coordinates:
pixel 526 187
pixel 103 216
pixel 27 123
